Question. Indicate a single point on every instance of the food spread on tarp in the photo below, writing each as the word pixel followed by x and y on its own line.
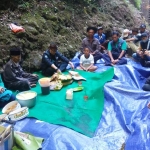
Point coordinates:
pixel 57 81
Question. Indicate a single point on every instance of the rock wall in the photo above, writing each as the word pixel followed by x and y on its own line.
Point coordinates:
pixel 62 22
pixel 145 9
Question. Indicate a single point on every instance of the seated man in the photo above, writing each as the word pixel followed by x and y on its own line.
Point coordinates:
pixel 101 37
pixel 14 76
pixel 6 96
pixel 116 51
pixel 143 53
pixel 87 61
pixel 131 39
pixel 142 29
pixel 91 43
pixel 53 61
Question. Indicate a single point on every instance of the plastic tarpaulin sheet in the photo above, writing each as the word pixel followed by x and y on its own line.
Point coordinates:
pixel 125 119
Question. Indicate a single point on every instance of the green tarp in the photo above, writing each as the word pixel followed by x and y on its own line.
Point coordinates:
pixel 77 114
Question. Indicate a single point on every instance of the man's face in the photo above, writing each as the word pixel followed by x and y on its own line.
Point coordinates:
pixel 134 33
pixel 53 51
pixel 90 33
pixel 115 38
pixel 100 31
pixel 16 58
pixel 142 30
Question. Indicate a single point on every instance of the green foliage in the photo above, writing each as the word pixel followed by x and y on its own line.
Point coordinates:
pixel 138 3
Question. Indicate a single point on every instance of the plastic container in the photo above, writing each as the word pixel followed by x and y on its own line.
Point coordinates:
pixel 25 99
pixel 69 94
pixel 6 142
pixel 45 84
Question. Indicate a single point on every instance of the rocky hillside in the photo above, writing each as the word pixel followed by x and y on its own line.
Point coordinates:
pixel 64 22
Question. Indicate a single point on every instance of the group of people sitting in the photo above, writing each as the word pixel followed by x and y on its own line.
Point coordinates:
pixel 94 47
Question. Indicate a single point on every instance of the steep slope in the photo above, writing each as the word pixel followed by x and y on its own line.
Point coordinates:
pixel 62 21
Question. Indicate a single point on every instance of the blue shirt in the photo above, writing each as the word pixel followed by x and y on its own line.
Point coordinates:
pixel 101 38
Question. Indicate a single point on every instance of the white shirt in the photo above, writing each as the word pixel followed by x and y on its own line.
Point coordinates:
pixel 86 62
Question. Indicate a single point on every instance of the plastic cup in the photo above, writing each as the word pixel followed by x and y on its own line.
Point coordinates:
pixel 45 90
pixel 45 84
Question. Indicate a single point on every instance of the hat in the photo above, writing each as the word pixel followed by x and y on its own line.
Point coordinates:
pixel 143 26
pixel 100 28
pixel 144 35
pixel 125 33
pixel 92 28
pixel 15 51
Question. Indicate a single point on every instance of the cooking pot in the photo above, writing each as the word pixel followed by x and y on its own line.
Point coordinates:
pixel 27 98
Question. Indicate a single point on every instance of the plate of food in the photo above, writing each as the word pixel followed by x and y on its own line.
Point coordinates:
pixel 14 105
pixel 18 114
pixel 64 77
pixel 76 76
pixel 73 73
pixel 56 85
pixel 57 81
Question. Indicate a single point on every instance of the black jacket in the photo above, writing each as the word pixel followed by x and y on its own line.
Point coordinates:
pixel 144 45
pixel 48 59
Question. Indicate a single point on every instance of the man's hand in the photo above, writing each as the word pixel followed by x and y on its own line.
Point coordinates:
pixel 2 90
pixel 71 64
pixel 114 61
pixel 146 53
pixel 140 53
pixel 59 71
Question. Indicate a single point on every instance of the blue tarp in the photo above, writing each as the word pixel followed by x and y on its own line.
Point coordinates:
pixel 125 119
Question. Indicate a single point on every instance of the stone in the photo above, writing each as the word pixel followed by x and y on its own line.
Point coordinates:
pixel 31 30
pixel 33 61
pixel 20 34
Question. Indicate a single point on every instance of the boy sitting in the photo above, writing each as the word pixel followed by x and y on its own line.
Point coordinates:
pixel 87 61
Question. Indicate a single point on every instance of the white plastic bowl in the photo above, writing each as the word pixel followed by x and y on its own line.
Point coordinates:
pixel 9 105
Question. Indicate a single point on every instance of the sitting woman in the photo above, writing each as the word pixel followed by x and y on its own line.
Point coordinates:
pixel 6 96
pixel 87 61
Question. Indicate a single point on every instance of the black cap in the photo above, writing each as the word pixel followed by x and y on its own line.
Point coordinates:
pixel 92 28
pixel 15 51
pixel 100 28
pixel 144 35
pixel 143 26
